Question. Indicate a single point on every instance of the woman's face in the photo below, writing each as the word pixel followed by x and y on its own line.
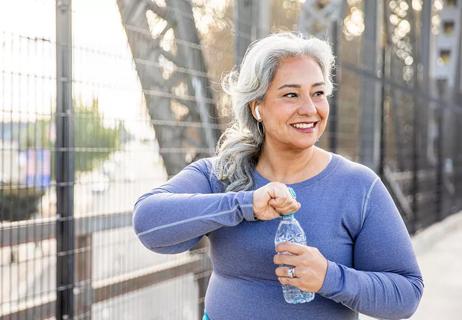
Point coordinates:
pixel 295 108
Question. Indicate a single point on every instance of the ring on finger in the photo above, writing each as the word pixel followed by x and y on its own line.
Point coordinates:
pixel 291 272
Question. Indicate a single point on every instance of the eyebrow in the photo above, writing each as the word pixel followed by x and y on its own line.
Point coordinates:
pixel 317 84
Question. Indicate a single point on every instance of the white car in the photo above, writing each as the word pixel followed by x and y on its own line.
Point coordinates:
pixel 99 183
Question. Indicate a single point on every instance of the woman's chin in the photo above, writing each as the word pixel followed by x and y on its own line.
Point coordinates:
pixel 302 146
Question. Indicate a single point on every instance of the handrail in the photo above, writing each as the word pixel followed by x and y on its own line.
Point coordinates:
pixel 16 233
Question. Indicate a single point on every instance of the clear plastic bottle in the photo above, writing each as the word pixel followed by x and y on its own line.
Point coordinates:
pixel 290 230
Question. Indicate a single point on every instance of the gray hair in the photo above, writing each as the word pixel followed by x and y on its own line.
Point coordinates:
pixel 239 147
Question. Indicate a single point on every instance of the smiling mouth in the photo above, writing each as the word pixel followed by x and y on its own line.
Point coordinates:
pixel 304 125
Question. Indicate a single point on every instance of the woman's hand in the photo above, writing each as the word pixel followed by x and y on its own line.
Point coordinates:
pixel 273 200
pixel 310 266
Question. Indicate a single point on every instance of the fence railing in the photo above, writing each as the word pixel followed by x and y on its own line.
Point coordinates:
pixel 86 293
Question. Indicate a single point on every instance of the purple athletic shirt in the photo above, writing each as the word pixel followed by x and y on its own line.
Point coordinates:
pixel 346 212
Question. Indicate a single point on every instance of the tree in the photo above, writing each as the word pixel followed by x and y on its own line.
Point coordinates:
pixel 95 140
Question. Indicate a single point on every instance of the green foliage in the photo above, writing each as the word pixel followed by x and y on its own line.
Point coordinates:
pixel 94 140
pixel 19 203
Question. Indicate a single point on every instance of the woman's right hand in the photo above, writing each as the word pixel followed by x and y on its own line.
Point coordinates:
pixel 273 200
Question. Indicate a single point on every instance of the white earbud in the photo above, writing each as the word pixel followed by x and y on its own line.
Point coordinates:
pixel 257 113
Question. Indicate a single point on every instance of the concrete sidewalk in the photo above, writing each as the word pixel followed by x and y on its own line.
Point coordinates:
pixel 439 251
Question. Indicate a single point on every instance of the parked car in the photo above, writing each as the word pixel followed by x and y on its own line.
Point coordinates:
pixel 99 183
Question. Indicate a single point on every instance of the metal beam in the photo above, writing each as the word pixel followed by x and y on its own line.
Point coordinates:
pixel 322 19
pixel 252 19
pixel 316 17
pixel 186 34
pixel 244 20
pixel 264 19
pixel 189 72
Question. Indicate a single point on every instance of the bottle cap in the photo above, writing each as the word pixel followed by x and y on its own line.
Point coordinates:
pixel 292 192
pixel 294 195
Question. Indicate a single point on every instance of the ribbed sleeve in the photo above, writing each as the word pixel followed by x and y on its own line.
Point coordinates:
pixel 173 217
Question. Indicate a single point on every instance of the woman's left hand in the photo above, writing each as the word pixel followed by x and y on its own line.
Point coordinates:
pixel 310 266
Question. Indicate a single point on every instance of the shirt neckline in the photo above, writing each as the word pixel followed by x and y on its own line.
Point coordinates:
pixel 334 159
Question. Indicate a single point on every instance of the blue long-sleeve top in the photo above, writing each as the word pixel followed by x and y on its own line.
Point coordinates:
pixel 346 212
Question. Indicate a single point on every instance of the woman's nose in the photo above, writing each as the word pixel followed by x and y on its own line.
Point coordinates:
pixel 307 107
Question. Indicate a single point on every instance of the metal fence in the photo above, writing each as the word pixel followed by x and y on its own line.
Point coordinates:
pixel 389 108
pixel 77 148
pixel 82 88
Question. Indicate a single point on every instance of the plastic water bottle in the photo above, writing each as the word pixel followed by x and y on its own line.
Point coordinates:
pixel 289 230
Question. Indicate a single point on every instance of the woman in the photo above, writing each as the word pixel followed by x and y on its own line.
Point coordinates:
pixel 359 256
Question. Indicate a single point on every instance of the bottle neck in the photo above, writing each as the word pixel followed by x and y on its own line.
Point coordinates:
pixel 288 216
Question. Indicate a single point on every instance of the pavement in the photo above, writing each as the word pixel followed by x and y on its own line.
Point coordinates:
pixel 439 253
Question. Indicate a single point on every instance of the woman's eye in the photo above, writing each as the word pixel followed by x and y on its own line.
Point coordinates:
pixel 319 93
pixel 290 95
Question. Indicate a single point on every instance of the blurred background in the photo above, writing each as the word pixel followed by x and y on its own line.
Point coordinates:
pixel 100 101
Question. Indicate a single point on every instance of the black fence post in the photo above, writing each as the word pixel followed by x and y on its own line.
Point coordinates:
pixel 415 166
pixel 83 297
pixel 65 241
pixel 383 123
pixel 334 99
pixel 439 167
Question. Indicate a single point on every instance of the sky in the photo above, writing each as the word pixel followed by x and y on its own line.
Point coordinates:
pixel 102 64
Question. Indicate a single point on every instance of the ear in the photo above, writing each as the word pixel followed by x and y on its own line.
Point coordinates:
pixel 255 110
pixel 257 113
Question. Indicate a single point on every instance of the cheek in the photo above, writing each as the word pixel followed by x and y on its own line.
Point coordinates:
pixel 323 110
pixel 324 113
pixel 278 119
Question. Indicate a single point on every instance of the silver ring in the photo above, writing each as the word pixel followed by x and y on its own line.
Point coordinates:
pixel 291 272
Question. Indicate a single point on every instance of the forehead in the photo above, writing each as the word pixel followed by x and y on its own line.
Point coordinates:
pixel 302 69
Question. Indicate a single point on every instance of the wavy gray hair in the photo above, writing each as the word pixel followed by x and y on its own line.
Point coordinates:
pixel 239 147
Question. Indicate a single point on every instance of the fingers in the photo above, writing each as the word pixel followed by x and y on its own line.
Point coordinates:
pixel 294 254
pixel 285 205
pixel 293 248
pixel 273 200
pixel 309 264
pixel 285 278
pixel 287 259
pixel 281 199
pixel 272 213
pixel 283 272
pixel 296 282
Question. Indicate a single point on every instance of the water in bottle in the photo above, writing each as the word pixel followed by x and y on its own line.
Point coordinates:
pixel 289 230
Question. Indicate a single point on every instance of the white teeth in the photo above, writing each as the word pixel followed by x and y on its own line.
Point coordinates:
pixel 303 125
